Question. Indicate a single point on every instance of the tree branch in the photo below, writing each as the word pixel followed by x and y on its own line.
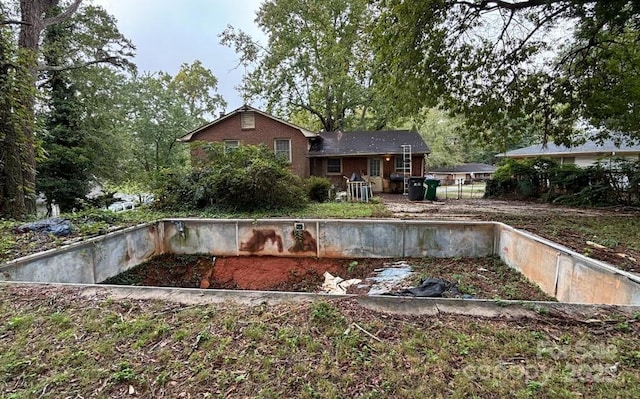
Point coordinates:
pixel 486 5
pixel 313 111
pixel 113 60
pixel 13 22
pixel 63 16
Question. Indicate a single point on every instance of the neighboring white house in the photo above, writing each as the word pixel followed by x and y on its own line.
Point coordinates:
pixel 463 173
pixel 583 155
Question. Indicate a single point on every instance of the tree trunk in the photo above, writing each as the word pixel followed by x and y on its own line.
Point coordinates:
pixel 18 195
pixel 11 193
pixel 33 18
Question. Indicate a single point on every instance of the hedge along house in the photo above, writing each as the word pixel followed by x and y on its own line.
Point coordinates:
pixel 582 155
pixel 248 125
pixel 386 159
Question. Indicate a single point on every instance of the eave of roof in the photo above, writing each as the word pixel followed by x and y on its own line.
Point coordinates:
pixel 189 136
pixel 589 148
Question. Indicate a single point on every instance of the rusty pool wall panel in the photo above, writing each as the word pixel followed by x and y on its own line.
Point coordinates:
pixel 238 237
pixel 334 238
pixel 87 262
pixel 563 273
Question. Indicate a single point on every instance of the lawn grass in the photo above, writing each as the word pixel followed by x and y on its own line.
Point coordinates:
pixel 56 344
pixel 463 191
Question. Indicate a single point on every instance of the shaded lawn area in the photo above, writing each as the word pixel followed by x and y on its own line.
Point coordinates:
pixel 57 344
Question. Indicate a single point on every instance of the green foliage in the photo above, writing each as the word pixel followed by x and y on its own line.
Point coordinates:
pixel 16 145
pixel 613 182
pixel 317 188
pixel 520 179
pixel 531 70
pixel 94 40
pixel 165 108
pixel 317 62
pixel 325 313
pixel 64 173
pixel 248 178
pixel 448 138
pixel 124 373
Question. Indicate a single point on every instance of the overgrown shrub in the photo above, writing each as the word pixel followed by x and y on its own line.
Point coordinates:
pixel 247 178
pixel 317 188
pixel 520 179
pixel 615 182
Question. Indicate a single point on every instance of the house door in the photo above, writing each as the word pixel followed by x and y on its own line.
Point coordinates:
pixel 375 174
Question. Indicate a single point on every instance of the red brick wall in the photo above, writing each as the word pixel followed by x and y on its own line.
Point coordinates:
pixel 265 132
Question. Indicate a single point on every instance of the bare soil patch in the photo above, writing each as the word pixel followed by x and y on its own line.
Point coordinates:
pixel 473 277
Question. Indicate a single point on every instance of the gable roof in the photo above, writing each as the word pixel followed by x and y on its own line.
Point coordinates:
pixel 190 136
pixel 367 143
pixel 465 168
pixel 590 147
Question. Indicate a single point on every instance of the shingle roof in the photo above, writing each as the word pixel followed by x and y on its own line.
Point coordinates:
pixel 589 147
pixel 189 136
pixel 367 143
pixel 465 168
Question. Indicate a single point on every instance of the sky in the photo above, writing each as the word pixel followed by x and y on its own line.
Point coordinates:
pixel 168 33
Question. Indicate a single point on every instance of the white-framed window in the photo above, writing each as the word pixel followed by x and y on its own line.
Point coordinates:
pixel 334 166
pixel 282 148
pixel 375 167
pixel 248 120
pixel 230 145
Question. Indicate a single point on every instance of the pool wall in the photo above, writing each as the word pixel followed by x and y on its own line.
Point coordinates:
pixel 559 271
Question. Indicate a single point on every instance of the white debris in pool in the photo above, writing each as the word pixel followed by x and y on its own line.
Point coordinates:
pixel 337 285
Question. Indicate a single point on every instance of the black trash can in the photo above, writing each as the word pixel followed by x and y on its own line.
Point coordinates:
pixel 432 185
pixel 416 188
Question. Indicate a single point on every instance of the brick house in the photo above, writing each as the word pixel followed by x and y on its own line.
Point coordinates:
pixel 384 158
pixel 247 125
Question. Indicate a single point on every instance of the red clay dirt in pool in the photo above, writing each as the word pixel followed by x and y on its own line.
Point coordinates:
pixel 244 272
pixel 265 272
pixel 482 277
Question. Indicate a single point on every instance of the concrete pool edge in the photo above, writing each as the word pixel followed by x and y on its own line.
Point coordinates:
pixel 559 271
pixel 493 309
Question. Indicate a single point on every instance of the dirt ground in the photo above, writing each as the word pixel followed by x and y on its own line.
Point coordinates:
pixel 482 209
pixel 487 278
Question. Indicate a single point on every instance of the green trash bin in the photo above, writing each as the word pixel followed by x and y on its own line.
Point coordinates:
pixel 432 185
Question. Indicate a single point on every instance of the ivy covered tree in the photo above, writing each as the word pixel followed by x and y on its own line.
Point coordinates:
pixel 63 174
pixel 14 145
pixel 96 43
